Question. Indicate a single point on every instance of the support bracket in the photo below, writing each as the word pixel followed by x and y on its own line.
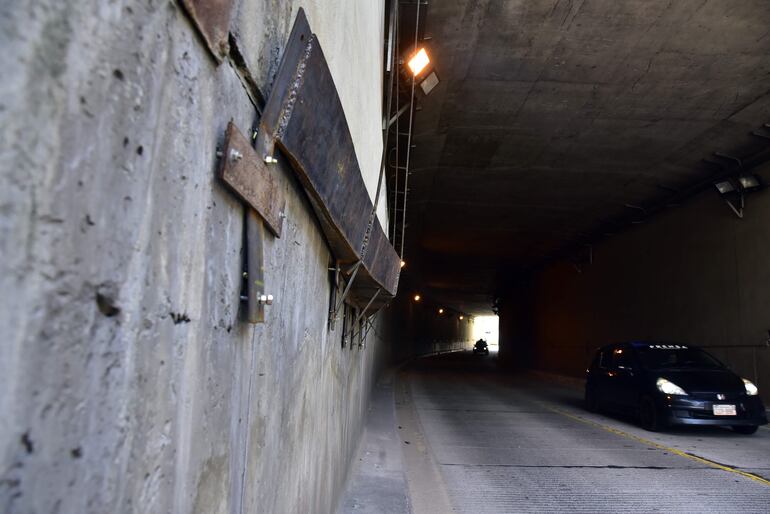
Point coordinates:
pixel 738 210
pixel 248 176
pixel 354 272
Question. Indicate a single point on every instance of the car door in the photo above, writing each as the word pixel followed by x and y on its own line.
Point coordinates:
pixel 601 376
pixel 624 379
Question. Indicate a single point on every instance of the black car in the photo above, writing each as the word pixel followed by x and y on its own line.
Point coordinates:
pixel 481 347
pixel 671 384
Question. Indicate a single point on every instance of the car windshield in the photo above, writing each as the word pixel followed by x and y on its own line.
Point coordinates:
pixel 676 356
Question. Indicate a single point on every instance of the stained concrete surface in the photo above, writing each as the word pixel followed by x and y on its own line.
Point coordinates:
pixel 129 382
pixel 508 443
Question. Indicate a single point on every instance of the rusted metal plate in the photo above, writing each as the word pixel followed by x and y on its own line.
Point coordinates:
pixel 381 259
pixel 304 118
pixel 251 179
pixel 212 18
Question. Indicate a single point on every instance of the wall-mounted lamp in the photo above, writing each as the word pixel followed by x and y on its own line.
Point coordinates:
pixel 419 68
pixel 418 61
pixel 441 311
pixel 417 298
pixel 403 263
pixel 461 317
pixel 423 71
pixel 734 190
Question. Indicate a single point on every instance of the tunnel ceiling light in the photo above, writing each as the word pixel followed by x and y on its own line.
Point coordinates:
pixel 417 298
pixel 749 182
pixel 724 187
pixel 418 62
pixel 733 190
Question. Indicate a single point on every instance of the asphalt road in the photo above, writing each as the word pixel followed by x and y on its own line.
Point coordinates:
pixel 476 440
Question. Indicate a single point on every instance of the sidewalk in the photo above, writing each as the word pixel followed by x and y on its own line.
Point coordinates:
pixel 377 483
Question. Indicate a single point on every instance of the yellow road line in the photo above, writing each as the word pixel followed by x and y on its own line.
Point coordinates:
pixel 659 446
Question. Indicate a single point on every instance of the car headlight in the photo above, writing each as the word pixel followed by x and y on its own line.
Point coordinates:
pixel 667 387
pixel 751 389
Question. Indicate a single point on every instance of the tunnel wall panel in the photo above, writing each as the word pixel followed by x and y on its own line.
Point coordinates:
pixel 415 329
pixel 696 274
pixel 129 382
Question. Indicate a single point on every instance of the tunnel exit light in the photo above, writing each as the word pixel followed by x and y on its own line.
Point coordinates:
pixel 488 329
pixel 418 62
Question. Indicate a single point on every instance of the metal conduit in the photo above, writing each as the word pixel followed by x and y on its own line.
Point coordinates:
pixel 409 137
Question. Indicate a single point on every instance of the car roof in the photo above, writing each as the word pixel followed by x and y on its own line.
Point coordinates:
pixel 646 343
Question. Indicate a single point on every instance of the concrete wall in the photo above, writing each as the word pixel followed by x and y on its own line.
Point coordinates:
pixel 416 329
pixel 695 274
pixel 128 382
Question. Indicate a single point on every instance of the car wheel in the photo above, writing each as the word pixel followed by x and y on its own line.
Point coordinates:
pixel 745 429
pixel 648 414
pixel 591 401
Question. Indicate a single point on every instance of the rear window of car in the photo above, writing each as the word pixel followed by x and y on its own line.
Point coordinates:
pixel 666 356
pixel 622 358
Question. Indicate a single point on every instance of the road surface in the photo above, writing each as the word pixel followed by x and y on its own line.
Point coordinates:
pixel 476 440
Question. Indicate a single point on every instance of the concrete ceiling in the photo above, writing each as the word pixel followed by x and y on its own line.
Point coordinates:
pixel 555 117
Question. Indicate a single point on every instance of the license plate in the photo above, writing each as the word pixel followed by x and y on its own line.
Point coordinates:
pixel 724 410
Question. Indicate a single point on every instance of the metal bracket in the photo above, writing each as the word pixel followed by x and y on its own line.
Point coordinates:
pixel 368 305
pixel 738 211
pixel 356 267
pixel 730 158
pixel 361 315
pixel 248 176
pixel 370 322
pixel 255 281
pixel 364 330
pixel 333 299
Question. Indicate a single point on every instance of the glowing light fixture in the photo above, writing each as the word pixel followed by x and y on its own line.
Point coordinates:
pixel 724 187
pixel 749 182
pixel 441 311
pixel 403 263
pixel 418 62
pixel 733 190
pixel 462 317
pixel 417 298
